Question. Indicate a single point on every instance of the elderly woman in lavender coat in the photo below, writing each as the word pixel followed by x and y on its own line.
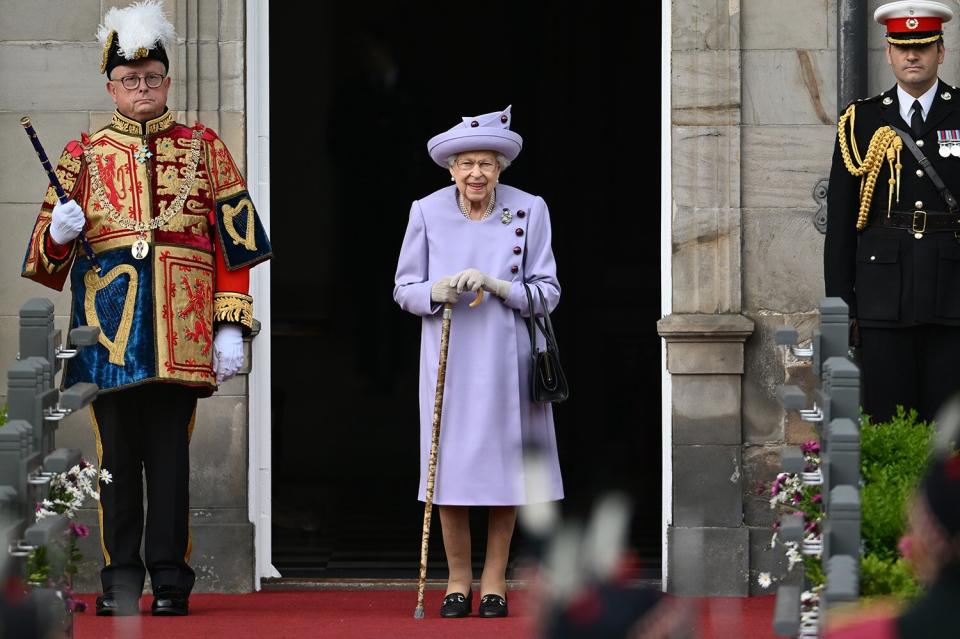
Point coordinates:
pixel 479 233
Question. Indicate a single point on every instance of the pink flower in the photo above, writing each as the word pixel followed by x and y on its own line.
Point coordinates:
pixel 812 446
pixel 817 498
pixel 79 530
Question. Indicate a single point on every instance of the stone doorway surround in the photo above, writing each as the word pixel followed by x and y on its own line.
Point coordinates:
pixel 708 545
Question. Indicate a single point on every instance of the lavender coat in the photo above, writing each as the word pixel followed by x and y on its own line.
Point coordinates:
pixel 488 419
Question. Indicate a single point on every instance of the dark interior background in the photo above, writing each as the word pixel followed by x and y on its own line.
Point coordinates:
pixel 357 88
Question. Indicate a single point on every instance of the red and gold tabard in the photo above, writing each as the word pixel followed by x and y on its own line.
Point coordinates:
pixel 175 232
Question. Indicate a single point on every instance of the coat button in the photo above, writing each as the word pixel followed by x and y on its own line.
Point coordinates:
pixel 474 124
pixel 503 118
pixel 514 269
pixel 919 173
pixel 517 250
pixel 521 213
pixel 873 258
pixel 920 143
pixel 519 232
pixel 918 205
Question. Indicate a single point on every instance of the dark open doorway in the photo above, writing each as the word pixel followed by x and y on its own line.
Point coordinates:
pixel 356 90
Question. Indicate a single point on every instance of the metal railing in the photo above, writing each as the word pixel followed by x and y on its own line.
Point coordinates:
pixel 834 410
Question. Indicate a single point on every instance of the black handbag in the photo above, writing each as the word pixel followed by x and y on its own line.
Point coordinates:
pixel 548 383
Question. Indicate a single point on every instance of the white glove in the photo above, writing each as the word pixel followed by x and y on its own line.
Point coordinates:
pixel 473 280
pixel 67 222
pixel 227 351
pixel 443 293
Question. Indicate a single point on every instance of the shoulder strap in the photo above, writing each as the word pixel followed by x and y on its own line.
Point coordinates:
pixel 531 320
pixel 929 170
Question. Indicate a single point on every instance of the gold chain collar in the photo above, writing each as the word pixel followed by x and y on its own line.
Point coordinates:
pixel 96 183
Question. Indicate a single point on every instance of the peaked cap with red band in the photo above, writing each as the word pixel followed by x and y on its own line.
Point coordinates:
pixel 913 22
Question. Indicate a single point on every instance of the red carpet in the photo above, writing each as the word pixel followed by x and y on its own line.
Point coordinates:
pixel 342 614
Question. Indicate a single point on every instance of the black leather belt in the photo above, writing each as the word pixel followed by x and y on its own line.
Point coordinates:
pixel 919 221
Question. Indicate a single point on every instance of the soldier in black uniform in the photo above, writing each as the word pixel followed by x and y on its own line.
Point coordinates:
pixel 892 249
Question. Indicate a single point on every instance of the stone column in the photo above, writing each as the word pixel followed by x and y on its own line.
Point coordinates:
pixel 707 541
pixel 708 544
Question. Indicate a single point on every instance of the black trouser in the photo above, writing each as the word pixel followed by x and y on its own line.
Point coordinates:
pixel 915 367
pixel 145 429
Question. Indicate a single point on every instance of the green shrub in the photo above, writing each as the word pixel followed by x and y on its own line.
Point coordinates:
pixel 893 456
pixel 883 577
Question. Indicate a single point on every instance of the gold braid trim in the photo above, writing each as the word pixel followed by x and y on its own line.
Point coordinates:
pixel 869 167
pixel 233 307
pixel 106 51
pixel 913 42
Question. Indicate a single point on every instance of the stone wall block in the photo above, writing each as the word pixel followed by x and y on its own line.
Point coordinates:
pixel 708 561
pixel 51 77
pixel 706 409
pixel 782 260
pixel 22 178
pixel 760 466
pixel 799 24
pixel 706 167
pixel 61 20
pixel 706 486
pixel 706 260
pixel 705 88
pixel 789 87
pixel 782 164
pixel 705 25
pixel 218 461
pixel 232 20
pixel 232 64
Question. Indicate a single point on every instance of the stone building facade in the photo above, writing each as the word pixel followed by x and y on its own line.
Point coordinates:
pixel 752 119
pixel 49 60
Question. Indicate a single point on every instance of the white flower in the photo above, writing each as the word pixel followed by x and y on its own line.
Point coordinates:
pixel 773 540
pixel 105 476
pixel 764 579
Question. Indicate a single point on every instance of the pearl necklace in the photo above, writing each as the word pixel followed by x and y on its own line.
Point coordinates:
pixel 466 212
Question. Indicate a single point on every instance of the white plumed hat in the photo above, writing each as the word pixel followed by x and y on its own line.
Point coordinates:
pixel 140 31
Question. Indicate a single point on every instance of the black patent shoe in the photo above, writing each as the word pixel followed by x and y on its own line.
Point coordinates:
pixel 169 601
pixel 116 604
pixel 456 605
pixel 492 606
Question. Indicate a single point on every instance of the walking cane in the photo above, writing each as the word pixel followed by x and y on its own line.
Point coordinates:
pixel 434 448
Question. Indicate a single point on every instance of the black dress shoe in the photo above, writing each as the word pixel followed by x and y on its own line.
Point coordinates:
pixel 492 606
pixel 456 605
pixel 116 604
pixel 169 601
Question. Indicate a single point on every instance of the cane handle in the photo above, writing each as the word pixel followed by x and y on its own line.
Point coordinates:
pixel 479 298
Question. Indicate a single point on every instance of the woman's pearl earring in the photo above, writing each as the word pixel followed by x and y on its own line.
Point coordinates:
pixel 453 179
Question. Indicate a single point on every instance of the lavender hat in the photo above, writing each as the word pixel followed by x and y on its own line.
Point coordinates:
pixel 487 132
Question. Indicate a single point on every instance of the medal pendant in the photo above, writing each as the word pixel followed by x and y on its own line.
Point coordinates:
pixel 140 249
pixel 955 150
pixel 944 151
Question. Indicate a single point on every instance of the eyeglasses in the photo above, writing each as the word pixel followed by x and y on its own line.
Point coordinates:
pixel 131 82
pixel 486 166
